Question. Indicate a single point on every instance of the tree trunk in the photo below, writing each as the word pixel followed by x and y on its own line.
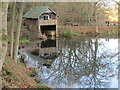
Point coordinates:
pixel 18 31
pixel 1 62
pixel 0 36
pixel 95 61
pixel 12 30
pixel 96 23
pixel 95 17
pixel 3 30
pixel 3 10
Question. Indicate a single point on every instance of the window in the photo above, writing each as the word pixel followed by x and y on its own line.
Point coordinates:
pixel 46 17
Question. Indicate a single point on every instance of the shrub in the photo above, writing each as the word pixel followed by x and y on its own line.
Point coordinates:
pixel 24 41
pixel 68 33
pixel 114 32
pixel 24 36
pixel 5 37
pixel 111 32
pixel 106 32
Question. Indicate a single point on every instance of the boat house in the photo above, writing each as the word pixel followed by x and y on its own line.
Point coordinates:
pixel 41 21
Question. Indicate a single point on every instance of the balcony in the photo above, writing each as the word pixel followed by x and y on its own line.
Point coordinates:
pixel 47 22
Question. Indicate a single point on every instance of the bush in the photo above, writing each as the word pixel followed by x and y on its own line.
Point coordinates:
pixel 114 32
pixel 106 32
pixel 111 32
pixel 20 63
pixel 68 33
pixel 24 41
pixel 5 37
pixel 24 36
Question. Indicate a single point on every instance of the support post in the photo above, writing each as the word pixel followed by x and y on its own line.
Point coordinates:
pixel 56 26
pixel 39 29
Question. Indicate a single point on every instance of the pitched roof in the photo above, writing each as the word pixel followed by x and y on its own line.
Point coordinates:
pixel 35 12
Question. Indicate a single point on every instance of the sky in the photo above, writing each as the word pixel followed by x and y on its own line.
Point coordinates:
pixel 110 3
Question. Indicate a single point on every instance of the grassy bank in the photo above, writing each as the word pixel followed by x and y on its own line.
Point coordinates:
pixel 16 75
pixel 70 31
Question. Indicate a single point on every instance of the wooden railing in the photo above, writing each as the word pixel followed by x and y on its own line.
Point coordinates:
pixel 47 22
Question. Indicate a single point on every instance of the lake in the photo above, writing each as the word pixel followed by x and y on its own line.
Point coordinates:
pixel 78 62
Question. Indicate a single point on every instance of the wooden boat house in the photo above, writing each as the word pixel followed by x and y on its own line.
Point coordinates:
pixel 41 20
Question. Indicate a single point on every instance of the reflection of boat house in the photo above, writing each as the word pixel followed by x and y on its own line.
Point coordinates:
pixel 48 49
pixel 41 20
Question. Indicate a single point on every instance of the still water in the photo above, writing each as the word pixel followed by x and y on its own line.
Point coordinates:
pixel 76 62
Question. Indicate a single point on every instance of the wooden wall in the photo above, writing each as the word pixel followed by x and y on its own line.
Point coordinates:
pixel 52 15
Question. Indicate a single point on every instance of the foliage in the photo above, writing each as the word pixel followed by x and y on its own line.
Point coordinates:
pixel 24 41
pixel 23 36
pixel 20 63
pixel 68 33
pixel 112 32
pixel 33 73
pixel 73 12
pixel 5 37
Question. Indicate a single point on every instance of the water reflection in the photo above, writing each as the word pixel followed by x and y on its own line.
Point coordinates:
pixel 78 62
pixel 47 50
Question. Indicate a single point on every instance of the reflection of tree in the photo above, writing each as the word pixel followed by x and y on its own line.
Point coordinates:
pixel 83 63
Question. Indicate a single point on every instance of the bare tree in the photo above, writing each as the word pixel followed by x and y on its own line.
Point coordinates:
pixel 3 30
pixel 80 62
pixel 17 36
pixel 0 35
pixel 117 2
pixel 0 42
pixel 12 30
pixel 95 16
pixel 4 10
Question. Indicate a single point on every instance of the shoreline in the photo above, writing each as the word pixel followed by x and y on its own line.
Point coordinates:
pixel 17 75
pixel 106 30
